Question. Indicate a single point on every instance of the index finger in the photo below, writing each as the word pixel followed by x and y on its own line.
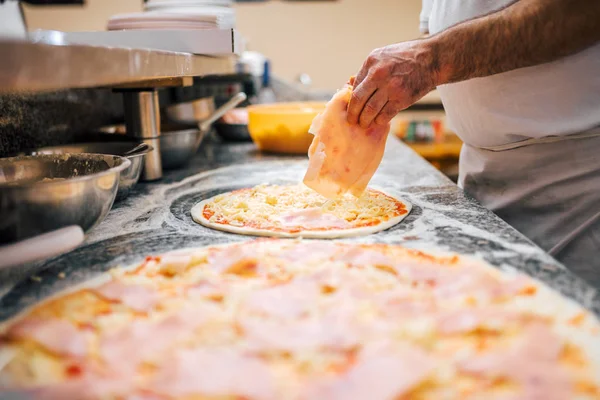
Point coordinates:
pixel 360 95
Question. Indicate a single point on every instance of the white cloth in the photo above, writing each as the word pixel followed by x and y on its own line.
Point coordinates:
pixel 532 144
pixel 424 17
pixel 557 98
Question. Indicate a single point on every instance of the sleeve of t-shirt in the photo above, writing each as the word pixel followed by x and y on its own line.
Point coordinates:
pixel 424 17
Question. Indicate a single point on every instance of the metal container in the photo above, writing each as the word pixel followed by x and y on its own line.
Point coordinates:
pixel 42 193
pixel 233 132
pixel 233 126
pixel 191 112
pixel 178 146
pixel 133 150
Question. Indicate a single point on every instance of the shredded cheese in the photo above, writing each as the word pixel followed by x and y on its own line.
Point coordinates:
pixel 269 205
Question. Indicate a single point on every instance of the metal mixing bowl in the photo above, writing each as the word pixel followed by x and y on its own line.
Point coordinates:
pixel 43 193
pixel 178 142
pixel 191 112
pixel 129 176
pixel 178 146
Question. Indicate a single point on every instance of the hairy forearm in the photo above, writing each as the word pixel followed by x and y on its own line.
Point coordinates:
pixel 526 33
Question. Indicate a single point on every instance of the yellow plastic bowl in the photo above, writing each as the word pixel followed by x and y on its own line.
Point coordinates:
pixel 283 127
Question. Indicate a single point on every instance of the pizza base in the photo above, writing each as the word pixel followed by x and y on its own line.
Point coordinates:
pixel 197 216
pixel 544 302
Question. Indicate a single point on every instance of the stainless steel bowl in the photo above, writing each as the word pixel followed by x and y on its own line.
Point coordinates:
pixel 178 146
pixel 124 148
pixel 191 112
pixel 178 142
pixel 42 193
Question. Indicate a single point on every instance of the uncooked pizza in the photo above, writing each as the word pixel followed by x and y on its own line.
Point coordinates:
pixel 298 211
pixel 303 320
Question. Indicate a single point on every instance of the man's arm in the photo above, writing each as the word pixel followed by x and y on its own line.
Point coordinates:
pixel 526 33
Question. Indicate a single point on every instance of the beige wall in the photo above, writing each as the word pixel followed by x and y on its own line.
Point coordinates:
pixel 327 40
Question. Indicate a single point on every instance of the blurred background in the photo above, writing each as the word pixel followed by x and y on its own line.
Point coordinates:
pixel 295 50
pixel 327 40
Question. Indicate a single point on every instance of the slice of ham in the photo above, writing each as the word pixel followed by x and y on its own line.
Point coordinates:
pixel 360 256
pixel 87 388
pixel 141 340
pixel 56 335
pixel 174 263
pixel 212 373
pixel 398 309
pixel 479 284
pixel 343 157
pixel 377 376
pixel 336 329
pixel 468 320
pixel 533 363
pixel 288 301
pixel 239 260
pixel 313 218
pixel 207 289
pixel 307 252
pixel 137 297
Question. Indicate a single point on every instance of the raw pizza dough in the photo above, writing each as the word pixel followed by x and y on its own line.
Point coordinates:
pixel 304 320
pixel 298 211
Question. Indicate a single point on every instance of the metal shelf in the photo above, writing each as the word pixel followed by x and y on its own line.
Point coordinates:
pixel 29 66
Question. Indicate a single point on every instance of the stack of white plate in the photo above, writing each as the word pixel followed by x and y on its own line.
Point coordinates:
pixel 153 5
pixel 178 14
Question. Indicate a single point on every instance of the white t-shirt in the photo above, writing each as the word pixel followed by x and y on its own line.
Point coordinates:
pixel 546 188
pixel 557 98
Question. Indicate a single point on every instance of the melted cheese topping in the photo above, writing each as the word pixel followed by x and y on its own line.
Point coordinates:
pixel 282 319
pixel 292 208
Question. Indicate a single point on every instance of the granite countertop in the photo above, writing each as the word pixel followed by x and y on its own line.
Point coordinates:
pixel 155 218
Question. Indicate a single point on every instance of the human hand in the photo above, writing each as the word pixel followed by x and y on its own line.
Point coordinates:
pixel 391 79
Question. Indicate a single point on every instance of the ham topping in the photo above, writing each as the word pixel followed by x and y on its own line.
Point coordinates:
pixel 313 218
pixel 290 300
pixel 343 157
pixel 215 373
pixel 310 251
pixel 533 363
pixel 87 388
pixel 56 335
pixel 377 377
pixel 137 297
pixel 174 263
pixel 140 340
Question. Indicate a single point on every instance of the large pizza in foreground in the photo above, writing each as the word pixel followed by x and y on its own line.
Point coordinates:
pixel 281 319
pixel 298 211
